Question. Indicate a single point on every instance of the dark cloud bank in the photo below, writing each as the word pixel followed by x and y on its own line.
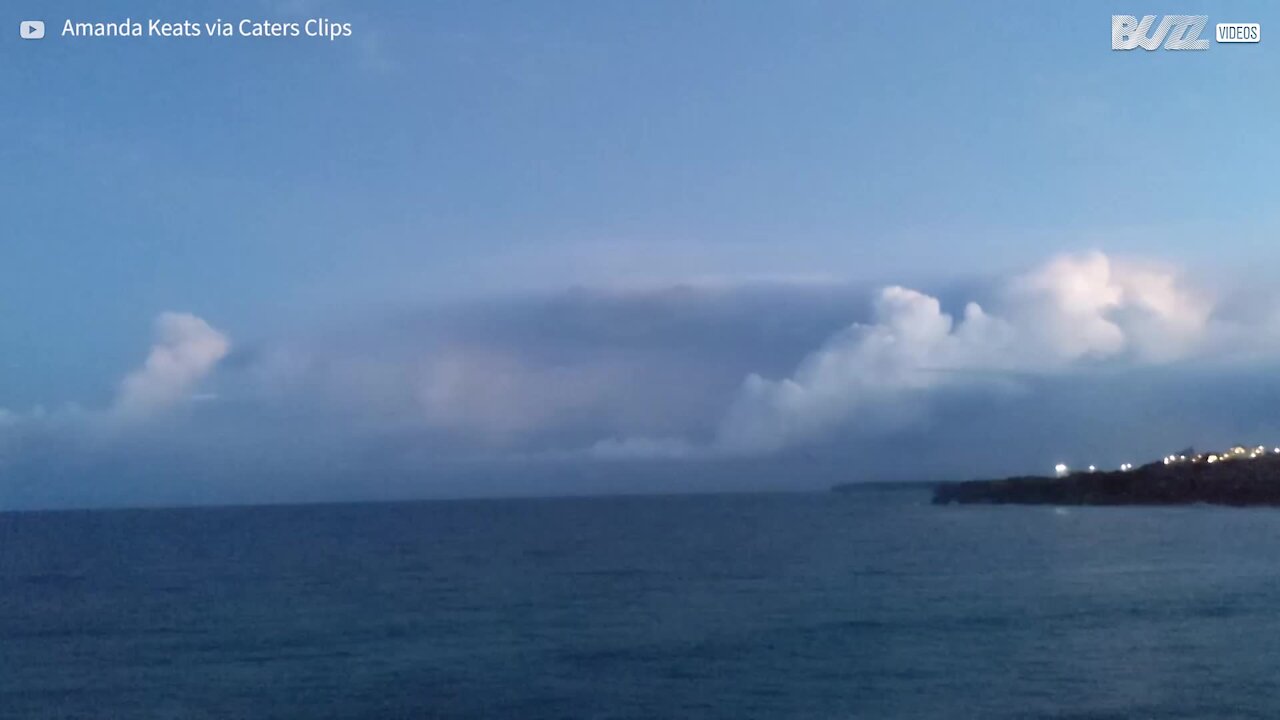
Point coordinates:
pixel 699 387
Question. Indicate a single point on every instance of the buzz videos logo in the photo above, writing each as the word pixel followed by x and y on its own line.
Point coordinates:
pixel 1176 32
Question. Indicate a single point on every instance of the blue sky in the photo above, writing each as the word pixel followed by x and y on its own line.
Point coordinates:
pixel 453 158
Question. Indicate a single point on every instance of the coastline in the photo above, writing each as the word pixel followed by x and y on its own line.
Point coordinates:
pixel 1254 481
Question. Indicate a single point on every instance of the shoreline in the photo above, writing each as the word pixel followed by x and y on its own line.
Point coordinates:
pixel 1245 482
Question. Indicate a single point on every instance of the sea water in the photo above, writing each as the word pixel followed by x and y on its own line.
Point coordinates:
pixel 870 604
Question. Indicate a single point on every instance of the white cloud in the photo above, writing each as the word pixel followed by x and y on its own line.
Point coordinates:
pixel 186 350
pixel 1074 310
pixel 1092 306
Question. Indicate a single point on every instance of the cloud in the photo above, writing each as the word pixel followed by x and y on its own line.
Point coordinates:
pixel 494 394
pixel 639 448
pixel 911 346
pixel 1089 305
pixel 658 372
pixel 1075 311
pixel 186 350
pixel 831 379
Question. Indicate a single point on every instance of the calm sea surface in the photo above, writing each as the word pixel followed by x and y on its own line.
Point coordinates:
pixel 872 604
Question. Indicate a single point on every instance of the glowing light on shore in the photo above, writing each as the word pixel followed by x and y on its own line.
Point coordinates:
pixel 1230 455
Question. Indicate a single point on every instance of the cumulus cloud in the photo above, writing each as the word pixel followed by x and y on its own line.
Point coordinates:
pixel 912 345
pixel 186 350
pixel 1073 311
pixel 1089 305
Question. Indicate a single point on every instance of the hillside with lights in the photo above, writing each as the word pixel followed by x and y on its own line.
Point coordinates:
pixel 1237 476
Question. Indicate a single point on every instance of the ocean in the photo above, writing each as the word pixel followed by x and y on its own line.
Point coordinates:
pixel 870 604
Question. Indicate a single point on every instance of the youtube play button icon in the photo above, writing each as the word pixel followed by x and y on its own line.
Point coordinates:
pixel 31 29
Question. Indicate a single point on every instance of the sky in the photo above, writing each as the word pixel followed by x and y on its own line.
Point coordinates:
pixel 484 248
